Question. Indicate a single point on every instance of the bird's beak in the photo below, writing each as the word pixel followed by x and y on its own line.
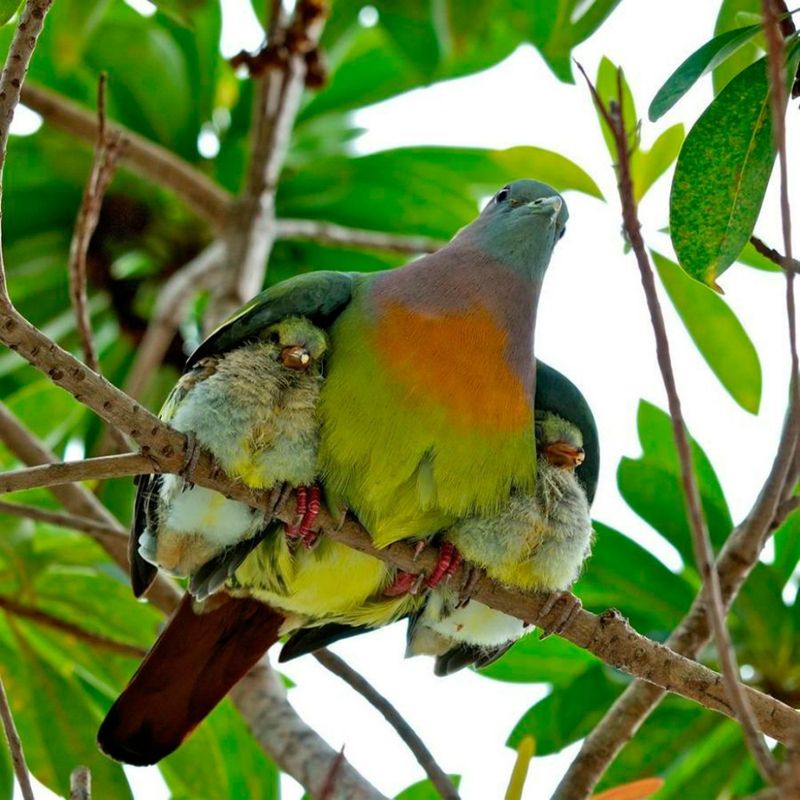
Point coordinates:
pixel 563 455
pixel 548 206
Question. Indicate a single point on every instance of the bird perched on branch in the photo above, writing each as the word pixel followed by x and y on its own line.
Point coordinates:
pixel 534 541
pixel 426 415
pixel 537 541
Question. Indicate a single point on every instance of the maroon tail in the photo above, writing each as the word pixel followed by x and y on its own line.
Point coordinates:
pixel 195 661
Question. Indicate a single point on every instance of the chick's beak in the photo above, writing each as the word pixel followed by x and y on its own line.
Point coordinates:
pixel 547 206
pixel 563 455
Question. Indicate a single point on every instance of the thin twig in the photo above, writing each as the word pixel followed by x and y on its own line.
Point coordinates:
pixel 356 681
pixel 107 151
pixel 59 518
pixel 80 784
pixel 772 254
pixel 117 466
pixel 48 620
pixel 704 554
pixel 15 746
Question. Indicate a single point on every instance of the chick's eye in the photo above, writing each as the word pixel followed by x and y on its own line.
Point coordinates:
pixel 502 195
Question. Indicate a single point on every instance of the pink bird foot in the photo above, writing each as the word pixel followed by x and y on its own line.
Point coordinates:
pixel 449 561
pixel 572 605
pixel 308 507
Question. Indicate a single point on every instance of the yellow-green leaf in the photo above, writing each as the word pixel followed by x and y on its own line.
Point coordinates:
pixel 717 332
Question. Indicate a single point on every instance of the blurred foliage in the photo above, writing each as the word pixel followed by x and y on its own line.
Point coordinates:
pixel 168 82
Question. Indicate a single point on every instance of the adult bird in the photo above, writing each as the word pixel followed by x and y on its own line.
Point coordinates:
pixel 426 416
pixel 536 542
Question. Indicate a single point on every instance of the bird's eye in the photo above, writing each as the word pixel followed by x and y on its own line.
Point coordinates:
pixel 502 194
pixel 563 231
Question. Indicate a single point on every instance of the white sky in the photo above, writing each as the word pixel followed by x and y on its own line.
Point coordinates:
pixel 592 326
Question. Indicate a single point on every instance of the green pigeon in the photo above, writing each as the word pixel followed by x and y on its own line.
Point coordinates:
pixel 536 542
pixel 426 417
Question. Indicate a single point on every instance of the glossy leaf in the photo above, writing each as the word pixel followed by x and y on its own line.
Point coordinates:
pixel 637 790
pixel 558 720
pixel 717 332
pixel 657 750
pixel 646 165
pixel 734 14
pixel 722 175
pixel 704 59
pixel 424 790
pixel 621 574
pixel 651 484
pixel 532 660
pixel 7 9
pixel 184 11
pixel 787 546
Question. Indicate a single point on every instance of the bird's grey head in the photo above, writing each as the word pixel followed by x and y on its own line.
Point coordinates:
pixel 520 226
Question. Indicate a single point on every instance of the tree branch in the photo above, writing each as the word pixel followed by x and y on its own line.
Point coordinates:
pixel 118 466
pixel 341 236
pixel 15 746
pixel 277 99
pixel 107 151
pixel 206 198
pixel 94 528
pixel 82 635
pixel 261 698
pixel 80 784
pixel 357 682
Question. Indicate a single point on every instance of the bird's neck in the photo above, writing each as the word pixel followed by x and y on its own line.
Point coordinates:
pixel 462 282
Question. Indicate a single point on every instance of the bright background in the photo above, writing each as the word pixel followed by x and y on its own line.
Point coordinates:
pixel 593 327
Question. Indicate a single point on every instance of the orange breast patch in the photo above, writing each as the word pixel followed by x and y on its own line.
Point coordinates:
pixel 456 361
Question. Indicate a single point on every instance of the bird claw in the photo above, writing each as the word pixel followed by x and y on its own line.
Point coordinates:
pixel 190 457
pixel 572 606
pixel 449 561
pixel 309 504
pixel 473 575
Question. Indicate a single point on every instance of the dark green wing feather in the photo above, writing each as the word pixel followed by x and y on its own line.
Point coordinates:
pixel 558 394
pixel 319 296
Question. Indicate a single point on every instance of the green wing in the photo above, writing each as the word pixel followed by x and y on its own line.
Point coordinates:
pixel 319 296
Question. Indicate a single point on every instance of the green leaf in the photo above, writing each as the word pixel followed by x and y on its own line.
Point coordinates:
pixel 787 546
pixel 568 713
pixel 705 58
pixel 647 166
pixel 722 175
pixel 621 574
pixel 7 9
pixel 532 660
pixel 184 11
pixel 222 760
pixel 752 258
pixel 651 484
pixel 734 14
pixel 425 790
pixel 717 332
pixel 560 25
